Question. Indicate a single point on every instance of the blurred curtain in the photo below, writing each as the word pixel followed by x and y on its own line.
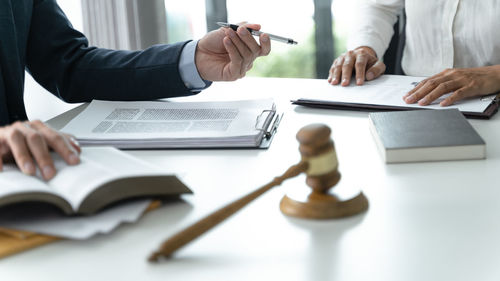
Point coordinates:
pixel 124 24
pixel 216 11
pixel 323 37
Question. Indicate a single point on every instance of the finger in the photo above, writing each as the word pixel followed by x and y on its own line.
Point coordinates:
pixel 245 52
pixel 458 95
pixel 254 26
pixel 265 44
pixel 337 70
pixel 360 66
pixel 331 72
pixel 347 68
pixel 4 149
pixel 247 38
pixel 40 151
pixel 1 156
pixel 74 143
pixel 442 89
pixel 60 143
pixel 235 60
pixel 424 82
pixel 242 23
pixel 16 142
pixel 427 87
pixel 416 88
pixel 375 70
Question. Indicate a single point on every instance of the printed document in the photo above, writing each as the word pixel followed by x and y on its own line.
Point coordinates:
pixel 161 124
pixel 387 90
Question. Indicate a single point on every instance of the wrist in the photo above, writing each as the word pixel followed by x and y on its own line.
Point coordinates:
pixel 367 49
pixel 495 70
pixel 188 67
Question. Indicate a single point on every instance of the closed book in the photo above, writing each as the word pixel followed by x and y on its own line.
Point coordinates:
pixel 425 135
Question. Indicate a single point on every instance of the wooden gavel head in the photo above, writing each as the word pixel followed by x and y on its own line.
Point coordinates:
pixel 317 149
pixel 319 162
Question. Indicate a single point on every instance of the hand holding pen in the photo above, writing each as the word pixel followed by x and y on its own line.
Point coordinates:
pixel 258 33
pixel 226 55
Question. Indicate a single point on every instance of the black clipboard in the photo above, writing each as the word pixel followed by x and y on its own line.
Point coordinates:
pixel 486 114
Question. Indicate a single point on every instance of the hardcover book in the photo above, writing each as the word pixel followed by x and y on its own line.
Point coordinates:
pixel 425 135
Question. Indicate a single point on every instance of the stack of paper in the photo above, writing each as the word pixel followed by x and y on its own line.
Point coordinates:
pixel 163 124
pixel 386 94
pixel 43 219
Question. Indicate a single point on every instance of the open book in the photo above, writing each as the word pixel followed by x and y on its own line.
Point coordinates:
pixel 161 124
pixel 386 94
pixel 104 176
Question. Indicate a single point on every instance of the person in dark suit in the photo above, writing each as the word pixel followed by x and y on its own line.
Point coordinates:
pixel 36 36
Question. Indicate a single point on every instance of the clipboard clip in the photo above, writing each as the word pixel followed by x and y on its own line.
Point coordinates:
pixel 269 128
pixel 491 98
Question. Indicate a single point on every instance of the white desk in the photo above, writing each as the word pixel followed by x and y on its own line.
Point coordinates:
pixel 426 221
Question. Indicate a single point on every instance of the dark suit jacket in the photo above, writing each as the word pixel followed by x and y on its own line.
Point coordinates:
pixel 35 35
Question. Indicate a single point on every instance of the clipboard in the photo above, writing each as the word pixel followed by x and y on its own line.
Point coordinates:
pixel 266 119
pixel 490 110
pixel 270 130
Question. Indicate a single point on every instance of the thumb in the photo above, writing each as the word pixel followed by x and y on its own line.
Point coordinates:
pixel 253 26
pixel 375 71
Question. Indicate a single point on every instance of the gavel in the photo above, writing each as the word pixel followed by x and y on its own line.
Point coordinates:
pixel 318 161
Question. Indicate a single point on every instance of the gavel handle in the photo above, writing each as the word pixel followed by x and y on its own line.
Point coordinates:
pixel 197 229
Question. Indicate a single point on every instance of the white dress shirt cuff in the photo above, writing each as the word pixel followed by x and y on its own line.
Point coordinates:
pixel 188 71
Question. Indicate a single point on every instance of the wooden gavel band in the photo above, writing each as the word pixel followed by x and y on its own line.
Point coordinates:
pixel 197 229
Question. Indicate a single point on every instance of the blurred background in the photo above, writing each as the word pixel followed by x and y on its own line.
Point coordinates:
pixel 320 27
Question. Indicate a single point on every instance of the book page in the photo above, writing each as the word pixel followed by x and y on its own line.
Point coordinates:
pixel 13 181
pixel 98 165
pixel 386 90
pixel 173 120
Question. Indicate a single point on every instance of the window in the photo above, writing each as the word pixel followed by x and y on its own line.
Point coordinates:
pixel 73 10
pixel 186 20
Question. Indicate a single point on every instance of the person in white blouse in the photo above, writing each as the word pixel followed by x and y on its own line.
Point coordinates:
pixel 456 43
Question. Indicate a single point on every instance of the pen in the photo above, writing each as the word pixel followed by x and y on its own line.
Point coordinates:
pixel 258 33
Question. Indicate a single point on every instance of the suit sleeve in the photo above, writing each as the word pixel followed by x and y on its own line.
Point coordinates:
pixel 59 58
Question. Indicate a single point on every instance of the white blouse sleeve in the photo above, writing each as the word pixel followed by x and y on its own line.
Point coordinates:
pixel 374 24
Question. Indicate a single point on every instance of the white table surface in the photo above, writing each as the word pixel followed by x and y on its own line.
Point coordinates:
pixel 426 221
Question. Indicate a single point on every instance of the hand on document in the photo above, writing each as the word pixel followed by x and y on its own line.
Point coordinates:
pixel 23 141
pixel 226 55
pixel 461 83
pixel 362 60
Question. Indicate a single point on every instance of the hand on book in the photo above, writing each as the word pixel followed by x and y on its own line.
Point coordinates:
pixel 462 83
pixel 363 61
pixel 28 144
pixel 226 55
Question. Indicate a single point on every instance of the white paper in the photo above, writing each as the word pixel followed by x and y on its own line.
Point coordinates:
pixel 177 122
pixel 387 90
pixel 98 165
pixel 47 220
